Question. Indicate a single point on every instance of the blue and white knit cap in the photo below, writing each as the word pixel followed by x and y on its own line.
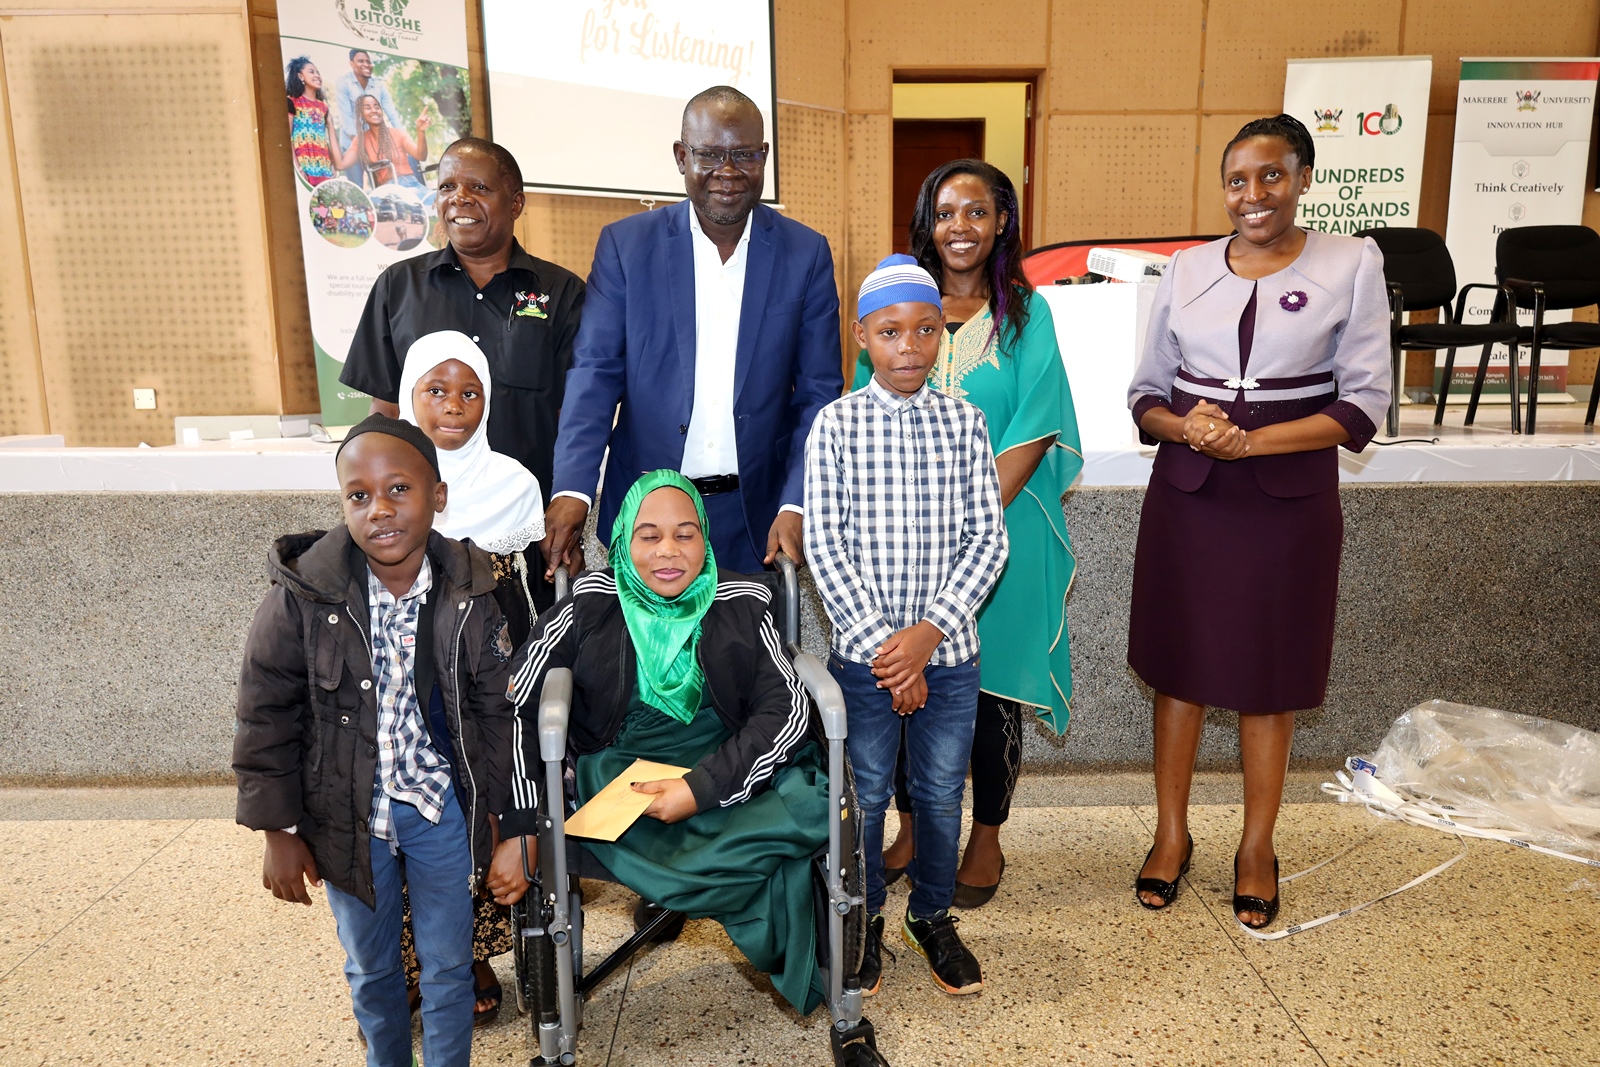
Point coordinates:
pixel 897 280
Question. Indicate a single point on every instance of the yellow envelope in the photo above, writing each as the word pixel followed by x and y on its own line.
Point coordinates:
pixel 611 811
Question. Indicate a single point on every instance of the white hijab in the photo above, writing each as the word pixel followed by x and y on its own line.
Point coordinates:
pixel 493 499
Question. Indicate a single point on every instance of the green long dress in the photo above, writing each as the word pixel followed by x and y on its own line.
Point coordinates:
pixel 748 865
pixel 1021 388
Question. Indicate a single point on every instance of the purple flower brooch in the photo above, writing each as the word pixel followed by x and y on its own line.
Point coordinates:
pixel 1293 300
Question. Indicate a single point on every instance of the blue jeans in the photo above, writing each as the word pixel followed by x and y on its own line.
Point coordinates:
pixel 938 741
pixel 438 874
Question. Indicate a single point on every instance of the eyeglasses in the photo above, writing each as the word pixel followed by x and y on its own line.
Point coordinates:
pixel 712 158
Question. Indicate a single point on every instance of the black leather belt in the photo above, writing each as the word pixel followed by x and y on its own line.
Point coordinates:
pixel 718 483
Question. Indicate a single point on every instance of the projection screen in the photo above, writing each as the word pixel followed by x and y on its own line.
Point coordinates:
pixel 589 94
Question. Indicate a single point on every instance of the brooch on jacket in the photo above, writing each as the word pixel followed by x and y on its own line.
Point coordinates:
pixel 1242 383
pixel 1293 300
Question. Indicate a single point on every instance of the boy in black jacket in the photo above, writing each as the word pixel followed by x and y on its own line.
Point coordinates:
pixel 373 726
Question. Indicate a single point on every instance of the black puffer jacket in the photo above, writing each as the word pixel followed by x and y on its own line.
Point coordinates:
pixel 305 746
pixel 749 682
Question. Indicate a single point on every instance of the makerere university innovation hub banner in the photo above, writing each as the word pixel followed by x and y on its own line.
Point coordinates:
pixel 1522 147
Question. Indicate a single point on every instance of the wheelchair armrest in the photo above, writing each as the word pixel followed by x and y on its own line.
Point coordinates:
pixel 825 691
pixel 791 598
pixel 555 709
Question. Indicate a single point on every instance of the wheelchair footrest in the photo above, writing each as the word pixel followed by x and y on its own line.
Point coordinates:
pixel 857 1046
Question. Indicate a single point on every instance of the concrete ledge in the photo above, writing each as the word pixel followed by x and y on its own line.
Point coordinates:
pixel 125 613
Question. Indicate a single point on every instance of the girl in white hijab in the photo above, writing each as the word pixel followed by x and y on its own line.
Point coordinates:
pixel 445 390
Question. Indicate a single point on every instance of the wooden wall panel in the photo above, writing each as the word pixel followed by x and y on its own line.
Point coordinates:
pixel 297 364
pixel 943 35
pixel 1097 70
pixel 1433 202
pixel 1215 132
pixel 1248 42
pixel 869 234
pixel 1450 30
pixel 136 152
pixel 1119 176
pixel 477 72
pixel 813 172
pixel 22 408
pixel 564 229
pixel 812 49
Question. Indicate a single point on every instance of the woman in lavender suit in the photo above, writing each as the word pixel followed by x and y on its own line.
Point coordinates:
pixel 1266 351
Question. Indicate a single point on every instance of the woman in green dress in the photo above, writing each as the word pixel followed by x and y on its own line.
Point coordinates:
pixel 703 684
pixel 1001 354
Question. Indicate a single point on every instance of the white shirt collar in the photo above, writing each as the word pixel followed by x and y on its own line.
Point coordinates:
pixel 744 239
pixel 420 587
pixel 893 401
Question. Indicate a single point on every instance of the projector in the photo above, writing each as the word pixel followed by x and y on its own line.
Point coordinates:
pixel 1127 265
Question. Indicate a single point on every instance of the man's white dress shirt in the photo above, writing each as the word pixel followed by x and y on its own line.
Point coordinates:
pixel 709 448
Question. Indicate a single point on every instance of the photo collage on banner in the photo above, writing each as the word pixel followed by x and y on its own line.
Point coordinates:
pixel 1521 156
pixel 376 90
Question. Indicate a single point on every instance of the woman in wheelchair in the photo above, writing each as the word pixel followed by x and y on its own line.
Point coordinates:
pixel 676 662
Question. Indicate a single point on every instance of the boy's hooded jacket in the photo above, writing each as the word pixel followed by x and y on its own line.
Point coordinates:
pixel 305 746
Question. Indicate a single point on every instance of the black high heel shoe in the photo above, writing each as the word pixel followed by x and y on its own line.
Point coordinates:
pixel 1168 891
pixel 1269 908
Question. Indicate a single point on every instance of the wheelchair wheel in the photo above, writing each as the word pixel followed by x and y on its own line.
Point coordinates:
pixel 855 882
pixel 855 876
pixel 533 952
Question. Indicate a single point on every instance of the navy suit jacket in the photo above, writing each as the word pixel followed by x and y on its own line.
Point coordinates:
pixel 636 347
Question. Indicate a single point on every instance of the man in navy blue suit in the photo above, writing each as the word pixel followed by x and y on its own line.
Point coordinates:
pixel 714 323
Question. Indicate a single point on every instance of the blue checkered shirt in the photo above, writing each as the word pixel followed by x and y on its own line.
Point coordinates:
pixel 903 519
pixel 409 769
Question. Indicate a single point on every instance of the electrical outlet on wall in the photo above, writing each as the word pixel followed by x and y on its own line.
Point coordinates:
pixel 144 399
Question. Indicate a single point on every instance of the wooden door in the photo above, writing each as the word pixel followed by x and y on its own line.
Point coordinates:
pixel 920 145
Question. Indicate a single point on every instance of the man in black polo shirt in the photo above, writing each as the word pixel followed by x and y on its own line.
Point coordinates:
pixel 523 312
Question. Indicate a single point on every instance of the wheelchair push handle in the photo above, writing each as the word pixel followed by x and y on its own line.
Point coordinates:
pixel 555 708
pixel 791 598
pixel 826 692
pixel 563 582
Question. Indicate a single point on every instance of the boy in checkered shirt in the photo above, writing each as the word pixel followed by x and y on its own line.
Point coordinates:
pixel 373 743
pixel 905 533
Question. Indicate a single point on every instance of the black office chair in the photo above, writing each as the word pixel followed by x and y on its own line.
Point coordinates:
pixel 1551 268
pixel 1421 277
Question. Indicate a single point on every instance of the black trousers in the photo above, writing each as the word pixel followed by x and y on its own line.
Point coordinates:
pixel 996 761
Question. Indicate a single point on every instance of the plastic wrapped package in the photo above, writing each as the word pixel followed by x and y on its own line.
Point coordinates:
pixel 1534 780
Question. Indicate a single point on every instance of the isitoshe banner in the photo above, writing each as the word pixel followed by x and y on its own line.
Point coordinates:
pixel 1369 120
pixel 1522 147
pixel 375 90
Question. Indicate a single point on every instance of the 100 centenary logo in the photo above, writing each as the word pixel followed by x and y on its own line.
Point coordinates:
pixel 382 21
pixel 1370 123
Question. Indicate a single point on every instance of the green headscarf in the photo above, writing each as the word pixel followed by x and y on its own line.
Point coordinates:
pixel 665 632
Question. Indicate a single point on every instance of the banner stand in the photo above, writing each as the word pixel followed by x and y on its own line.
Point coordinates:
pixel 1521 156
pixel 375 92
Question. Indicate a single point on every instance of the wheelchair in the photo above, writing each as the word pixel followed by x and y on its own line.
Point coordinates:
pixel 547 923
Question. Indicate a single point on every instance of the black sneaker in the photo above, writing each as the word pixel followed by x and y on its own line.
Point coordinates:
pixel 954 968
pixel 871 972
